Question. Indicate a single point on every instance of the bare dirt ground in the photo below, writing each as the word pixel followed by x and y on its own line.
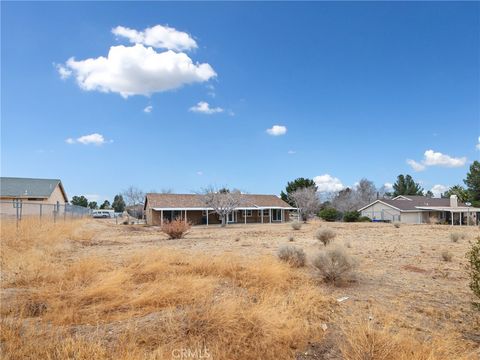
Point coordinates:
pixel 400 272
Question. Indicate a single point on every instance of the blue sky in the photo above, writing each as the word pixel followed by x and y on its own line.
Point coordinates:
pixel 355 89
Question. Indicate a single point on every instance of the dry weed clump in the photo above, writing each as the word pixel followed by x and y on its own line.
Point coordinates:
pixel 147 304
pixel 375 340
pixel 296 225
pixel 335 265
pixel 447 255
pixel 397 225
pixel 454 237
pixel 326 236
pixel 293 255
pixel 176 229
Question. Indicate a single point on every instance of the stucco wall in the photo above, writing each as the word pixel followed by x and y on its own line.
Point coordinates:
pixel 380 211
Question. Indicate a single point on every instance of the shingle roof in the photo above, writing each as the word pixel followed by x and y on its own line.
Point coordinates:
pixel 196 201
pixel 25 187
pixel 414 202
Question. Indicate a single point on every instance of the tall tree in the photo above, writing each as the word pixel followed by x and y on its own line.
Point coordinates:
pixel 294 185
pixel 429 194
pixel 458 190
pixel 105 205
pixel 118 204
pixel 80 201
pixel 307 201
pixel 405 185
pixel 93 205
pixel 133 197
pixel 222 201
pixel 473 183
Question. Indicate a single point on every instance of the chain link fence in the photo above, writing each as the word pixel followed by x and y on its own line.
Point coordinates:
pixel 17 209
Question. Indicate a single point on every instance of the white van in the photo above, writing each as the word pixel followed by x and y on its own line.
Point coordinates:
pixel 103 214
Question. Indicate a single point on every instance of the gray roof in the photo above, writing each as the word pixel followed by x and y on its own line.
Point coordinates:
pixel 415 201
pixel 25 187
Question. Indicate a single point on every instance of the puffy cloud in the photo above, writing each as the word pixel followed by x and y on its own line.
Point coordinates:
pixel 277 130
pixel 204 108
pixel 438 189
pixel 136 70
pixel 63 71
pixel 415 165
pixel 435 158
pixel 95 139
pixel 388 186
pixel 148 109
pixel 158 36
pixel 328 183
pixel 478 145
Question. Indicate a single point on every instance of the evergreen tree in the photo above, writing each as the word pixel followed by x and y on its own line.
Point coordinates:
pixel 473 183
pixel 80 201
pixel 458 190
pixel 118 204
pixel 105 205
pixel 93 205
pixel 405 185
pixel 294 185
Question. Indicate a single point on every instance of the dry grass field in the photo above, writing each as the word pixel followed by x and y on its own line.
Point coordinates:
pixel 97 290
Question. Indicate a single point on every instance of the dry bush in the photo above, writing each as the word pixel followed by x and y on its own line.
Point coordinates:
pixel 397 225
pixel 145 305
pixel 446 255
pixel 176 229
pixel 326 236
pixel 296 225
pixel 293 255
pixel 335 265
pixel 291 238
pixel 454 237
pixel 374 340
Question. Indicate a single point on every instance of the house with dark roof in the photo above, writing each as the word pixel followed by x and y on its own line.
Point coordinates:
pixel 191 207
pixel 411 209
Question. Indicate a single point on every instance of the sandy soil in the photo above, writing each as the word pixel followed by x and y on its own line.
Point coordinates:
pixel 401 271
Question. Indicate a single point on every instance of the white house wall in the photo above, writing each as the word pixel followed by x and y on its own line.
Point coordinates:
pixel 379 211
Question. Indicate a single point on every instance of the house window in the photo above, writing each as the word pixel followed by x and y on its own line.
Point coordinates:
pixel 248 213
pixel 265 212
pixel 276 215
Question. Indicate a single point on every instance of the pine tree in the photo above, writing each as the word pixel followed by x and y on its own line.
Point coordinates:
pixel 473 183
pixel 294 185
pixel 405 185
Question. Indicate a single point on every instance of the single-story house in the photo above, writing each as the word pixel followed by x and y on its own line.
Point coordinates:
pixel 191 207
pixel 411 209
pixel 31 193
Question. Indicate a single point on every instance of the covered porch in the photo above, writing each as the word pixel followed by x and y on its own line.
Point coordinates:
pixel 452 215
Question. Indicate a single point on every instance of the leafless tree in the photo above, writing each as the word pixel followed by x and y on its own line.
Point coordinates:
pixel 134 197
pixel 222 201
pixel 352 199
pixel 307 201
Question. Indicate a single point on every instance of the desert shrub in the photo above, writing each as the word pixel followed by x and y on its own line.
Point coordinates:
pixel 335 265
pixel 325 236
pixel 296 225
pixel 176 229
pixel 329 214
pixel 397 225
pixel 291 238
pixel 351 216
pixel 473 256
pixel 364 219
pixel 293 255
pixel 456 236
pixel 347 244
pixel 446 255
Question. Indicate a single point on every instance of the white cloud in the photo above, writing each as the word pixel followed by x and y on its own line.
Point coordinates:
pixel 438 189
pixel 148 109
pixel 435 158
pixel 199 173
pixel 63 71
pixel 478 145
pixel 93 197
pixel 211 90
pixel 277 130
pixel 158 36
pixel 204 108
pixel 95 139
pixel 328 183
pixel 291 152
pixel 415 165
pixel 388 186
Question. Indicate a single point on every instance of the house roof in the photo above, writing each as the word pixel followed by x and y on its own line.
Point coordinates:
pixel 192 201
pixel 29 188
pixel 410 202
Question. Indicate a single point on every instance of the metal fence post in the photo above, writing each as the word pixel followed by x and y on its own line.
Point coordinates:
pixel 40 211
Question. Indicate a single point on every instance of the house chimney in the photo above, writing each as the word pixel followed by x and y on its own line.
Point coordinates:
pixel 453 201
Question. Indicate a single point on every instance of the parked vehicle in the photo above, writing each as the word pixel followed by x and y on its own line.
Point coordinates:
pixel 103 214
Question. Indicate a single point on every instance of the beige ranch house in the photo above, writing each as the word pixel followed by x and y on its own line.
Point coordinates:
pixel 410 209
pixel 191 207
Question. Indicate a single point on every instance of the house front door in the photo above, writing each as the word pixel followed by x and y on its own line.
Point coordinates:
pixel 231 217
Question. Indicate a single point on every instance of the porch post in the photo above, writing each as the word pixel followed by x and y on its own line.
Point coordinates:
pixel 451 213
pixel 245 215
pixel 185 216
pixel 161 217
pixel 282 214
pixel 270 215
pixel 461 218
pixel 207 216
pixel 262 216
